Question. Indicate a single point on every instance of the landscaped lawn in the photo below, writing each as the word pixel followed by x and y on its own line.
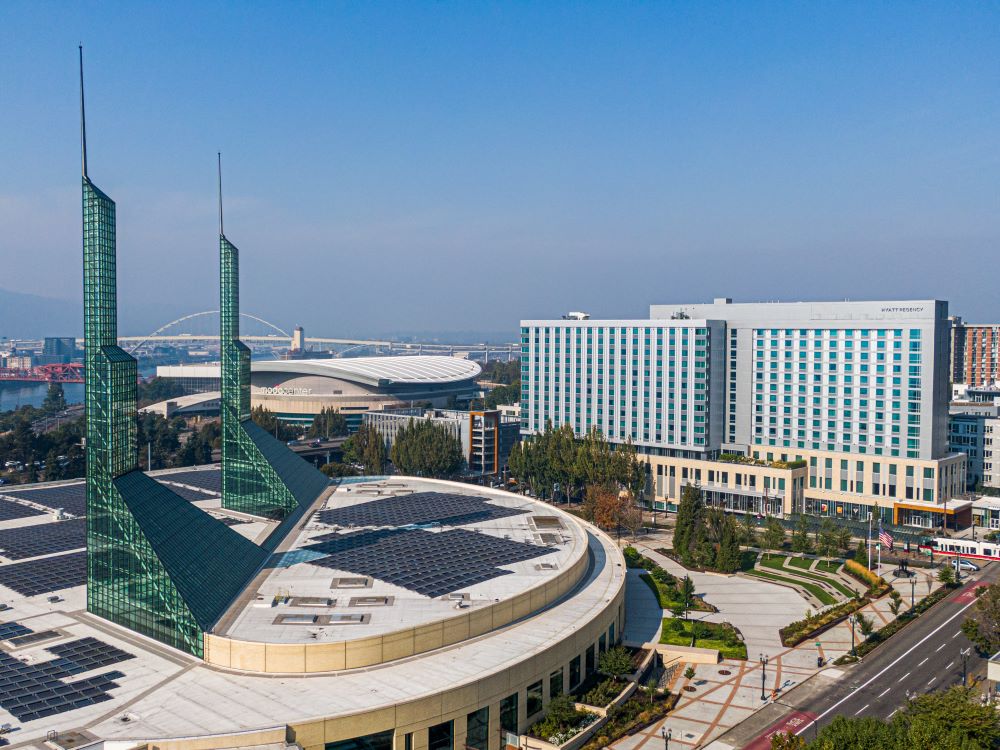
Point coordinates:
pixel 812 588
pixel 776 564
pixel 800 562
pixel 829 566
pixel 719 636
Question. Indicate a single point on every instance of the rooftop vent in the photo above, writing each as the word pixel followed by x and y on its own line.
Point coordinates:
pixel 351 583
pixel 371 601
pixel 574 315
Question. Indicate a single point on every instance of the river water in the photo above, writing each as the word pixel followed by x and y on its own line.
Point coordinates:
pixel 13 395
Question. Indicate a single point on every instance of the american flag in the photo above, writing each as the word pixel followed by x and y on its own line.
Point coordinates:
pixel 884 538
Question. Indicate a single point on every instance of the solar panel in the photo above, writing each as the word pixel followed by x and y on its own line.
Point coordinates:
pixel 429 563
pixel 46 574
pixel 35 690
pixel 207 479
pixel 12 629
pixel 43 539
pixel 446 508
pixel 10 510
pixel 70 497
pixel 185 492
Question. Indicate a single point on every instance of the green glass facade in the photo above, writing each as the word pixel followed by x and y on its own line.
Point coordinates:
pixel 126 581
pixel 249 482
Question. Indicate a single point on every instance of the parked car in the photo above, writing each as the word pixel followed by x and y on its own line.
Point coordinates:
pixel 965 565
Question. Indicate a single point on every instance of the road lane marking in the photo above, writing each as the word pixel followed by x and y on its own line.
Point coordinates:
pixel 862 709
pixel 957 634
pixel 949 665
pixel 903 677
pixel 922 663
pixel 889 666
pixel 931 680
pixel 884 692
pixel 939 648
pixel 893 713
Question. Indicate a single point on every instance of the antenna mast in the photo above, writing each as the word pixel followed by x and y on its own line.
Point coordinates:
pixel 83 119
pixel 221 233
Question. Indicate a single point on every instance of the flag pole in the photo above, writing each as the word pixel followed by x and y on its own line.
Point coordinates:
pixel 879 571
pixel 868 541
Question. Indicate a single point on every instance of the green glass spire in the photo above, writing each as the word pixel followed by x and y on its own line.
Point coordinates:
pixel 156 563
pixel 249 482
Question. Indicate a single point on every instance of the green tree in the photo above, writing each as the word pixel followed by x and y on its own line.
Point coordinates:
pixel 687 594
pixel 690 518
pixel 328 423
pixel 865 624
pixel 53 469
pixel 826 536
pixel 652 686
pixel 895 602
pixel 748 531
pixel 844 539
pixel 616 662
pixel 336 470
pixel 426 449
pixel 366 449
pixel 727 559
pixel 55 399
pixel 946 574
pixel 267 420
pixel 861 553
pixel 800 536
pixel 774 534
pixel 984 625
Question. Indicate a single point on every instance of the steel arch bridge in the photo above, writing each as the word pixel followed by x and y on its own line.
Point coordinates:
pixel 204 313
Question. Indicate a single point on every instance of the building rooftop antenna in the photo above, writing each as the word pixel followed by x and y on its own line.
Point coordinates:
pixel 221 233
pixel 83 119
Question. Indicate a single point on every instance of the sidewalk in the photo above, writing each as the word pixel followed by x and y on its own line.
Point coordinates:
pixel 726 694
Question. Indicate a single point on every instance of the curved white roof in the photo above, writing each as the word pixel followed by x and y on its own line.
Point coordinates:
pixel 379 370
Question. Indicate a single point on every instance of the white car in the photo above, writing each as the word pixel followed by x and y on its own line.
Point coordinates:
pixel 964 565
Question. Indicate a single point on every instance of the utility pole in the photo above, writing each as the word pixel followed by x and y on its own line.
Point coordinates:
pixel 965 665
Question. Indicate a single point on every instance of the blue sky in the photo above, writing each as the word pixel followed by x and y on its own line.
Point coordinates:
pixel 459 166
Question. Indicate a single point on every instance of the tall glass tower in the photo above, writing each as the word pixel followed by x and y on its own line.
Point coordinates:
pixel 156 563
pixel 260 475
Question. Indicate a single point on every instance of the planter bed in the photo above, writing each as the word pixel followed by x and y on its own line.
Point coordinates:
pixel 722 637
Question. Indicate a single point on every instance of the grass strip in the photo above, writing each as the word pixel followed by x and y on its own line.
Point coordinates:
pixel 823 597
pixel 800 562
pixel 829 566
pixel 776 565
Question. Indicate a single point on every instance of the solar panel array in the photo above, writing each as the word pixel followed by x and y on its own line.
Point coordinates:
pixel 45 574
pixel 73 497
pixel 10 510
pixel 429 563
pixel 12 630
pixel 43 539
pixel 207 480
pixel 418 508
pixel 70 497
pixel 39 689
pixel 185 492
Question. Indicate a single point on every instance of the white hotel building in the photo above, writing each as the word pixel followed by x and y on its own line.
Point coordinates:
pixel 834 408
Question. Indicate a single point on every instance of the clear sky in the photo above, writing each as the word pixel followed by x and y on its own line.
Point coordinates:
pixel 433 166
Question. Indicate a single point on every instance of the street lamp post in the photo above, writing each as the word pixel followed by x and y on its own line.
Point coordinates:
pixel 853 618
pixel 763 676
pixel 913 587
pixel 965 665
pixel 667 734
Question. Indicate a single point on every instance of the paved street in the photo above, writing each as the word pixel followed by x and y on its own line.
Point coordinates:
pixel 924 656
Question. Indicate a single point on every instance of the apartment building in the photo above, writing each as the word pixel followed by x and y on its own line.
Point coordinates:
pixel 851 398
pixel 975 353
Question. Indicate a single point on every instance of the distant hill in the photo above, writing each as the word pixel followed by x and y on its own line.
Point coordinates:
pixel 32 316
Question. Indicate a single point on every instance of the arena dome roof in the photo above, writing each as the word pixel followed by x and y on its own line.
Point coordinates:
pixel 379 371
